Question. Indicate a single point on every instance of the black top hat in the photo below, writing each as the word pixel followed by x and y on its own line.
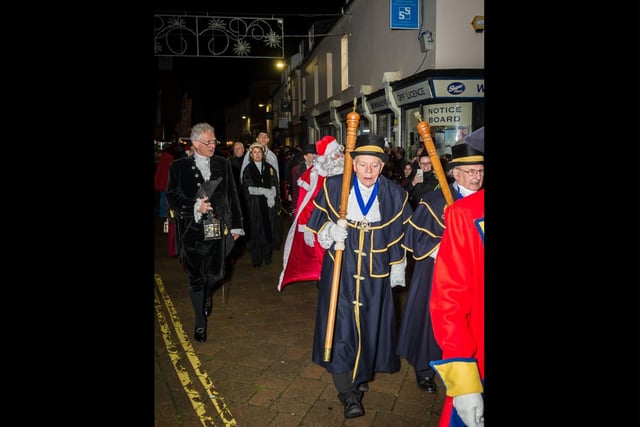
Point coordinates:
pixel 370 144
pixel 309 149
pixel 464 154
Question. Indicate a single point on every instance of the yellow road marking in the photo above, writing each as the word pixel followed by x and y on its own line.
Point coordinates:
pixel 218 401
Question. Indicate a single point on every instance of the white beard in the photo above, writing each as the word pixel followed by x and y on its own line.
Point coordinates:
pixel 331 163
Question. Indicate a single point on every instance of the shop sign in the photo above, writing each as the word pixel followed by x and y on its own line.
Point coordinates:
pixel 448 114
pixel 414 93
pixel 458 88
pixel 377 104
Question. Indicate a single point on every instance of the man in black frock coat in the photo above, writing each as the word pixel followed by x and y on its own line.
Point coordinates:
pixel 203 257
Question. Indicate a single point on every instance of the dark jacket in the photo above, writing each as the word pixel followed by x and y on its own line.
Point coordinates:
pixel 184 181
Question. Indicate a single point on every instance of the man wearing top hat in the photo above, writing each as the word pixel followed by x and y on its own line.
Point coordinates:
pixel 364 339
pixel 416 342
pixel 457 306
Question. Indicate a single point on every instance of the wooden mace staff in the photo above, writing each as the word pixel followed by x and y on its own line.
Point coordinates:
pixel 353 119
pixel 425 134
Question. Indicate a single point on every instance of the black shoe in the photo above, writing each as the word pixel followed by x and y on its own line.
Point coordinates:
pixel 427 384
pixel 256 265
pixel 363 387
pixel 208 307
pixel 200 334
pixel 353 409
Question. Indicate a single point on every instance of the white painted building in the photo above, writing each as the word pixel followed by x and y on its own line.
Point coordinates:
pixel 395 58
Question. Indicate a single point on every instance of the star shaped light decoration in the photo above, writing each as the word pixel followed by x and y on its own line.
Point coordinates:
pixel 273 40
pixel 241 48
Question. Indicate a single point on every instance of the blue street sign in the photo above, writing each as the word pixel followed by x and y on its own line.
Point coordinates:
pixel 404 14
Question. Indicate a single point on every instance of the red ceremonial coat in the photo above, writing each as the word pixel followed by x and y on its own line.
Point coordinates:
pixel 457 302
pixel 300 261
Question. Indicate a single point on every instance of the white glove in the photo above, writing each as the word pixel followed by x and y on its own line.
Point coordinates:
pixel 270 194
pixel 271 201
pixel 396 276
pixel 470 407
pixel 338 232
pixel 256 191
pixel 309 237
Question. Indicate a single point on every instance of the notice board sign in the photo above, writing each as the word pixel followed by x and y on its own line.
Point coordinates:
pixel 404 14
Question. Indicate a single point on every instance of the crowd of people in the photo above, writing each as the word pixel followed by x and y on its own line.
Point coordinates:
pixel 399 227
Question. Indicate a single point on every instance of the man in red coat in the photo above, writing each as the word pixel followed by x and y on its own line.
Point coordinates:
pixel 302 255
pixel 457 307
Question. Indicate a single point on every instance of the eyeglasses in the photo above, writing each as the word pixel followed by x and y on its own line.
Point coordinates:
pixel 425 164
pixel 472 172
pixel 208 143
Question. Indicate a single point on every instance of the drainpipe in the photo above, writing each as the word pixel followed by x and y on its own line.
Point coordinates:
pixel 364 91
pixel 335 118
pixel 314 123
pixel 387 79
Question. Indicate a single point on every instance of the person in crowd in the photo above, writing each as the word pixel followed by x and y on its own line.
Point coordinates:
pixel 260 184
pixel 168 155
pixel 457 304
pixel 292 157
pixel 423 180
pixel 416 342
pixel 269 156
pixel 285 180
pixel 407 175
pixel 398 161
pixel 236 165
pixel 308 154
pixel 201 191
pixel 373 262
pixel 444 161
pixel 415 161
pixel 302 255
pixel 236 160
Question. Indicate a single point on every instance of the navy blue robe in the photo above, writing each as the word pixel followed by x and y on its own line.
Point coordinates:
pixel 416 342
pixel 364 337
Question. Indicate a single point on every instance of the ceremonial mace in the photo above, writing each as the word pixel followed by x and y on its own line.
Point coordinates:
pixel 425 134
pixel 353 119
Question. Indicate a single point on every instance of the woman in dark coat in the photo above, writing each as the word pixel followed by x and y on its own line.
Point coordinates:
pixel 260 184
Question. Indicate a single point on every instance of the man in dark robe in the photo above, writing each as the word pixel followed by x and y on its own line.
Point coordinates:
pixel 260 190
pixel 364 338
pixel 416 341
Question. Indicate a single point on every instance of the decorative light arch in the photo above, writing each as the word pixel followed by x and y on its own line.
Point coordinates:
pixel 218 36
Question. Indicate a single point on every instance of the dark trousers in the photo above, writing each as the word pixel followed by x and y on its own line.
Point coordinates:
pixel 347 389
pixel 204 265
pixel 260 253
